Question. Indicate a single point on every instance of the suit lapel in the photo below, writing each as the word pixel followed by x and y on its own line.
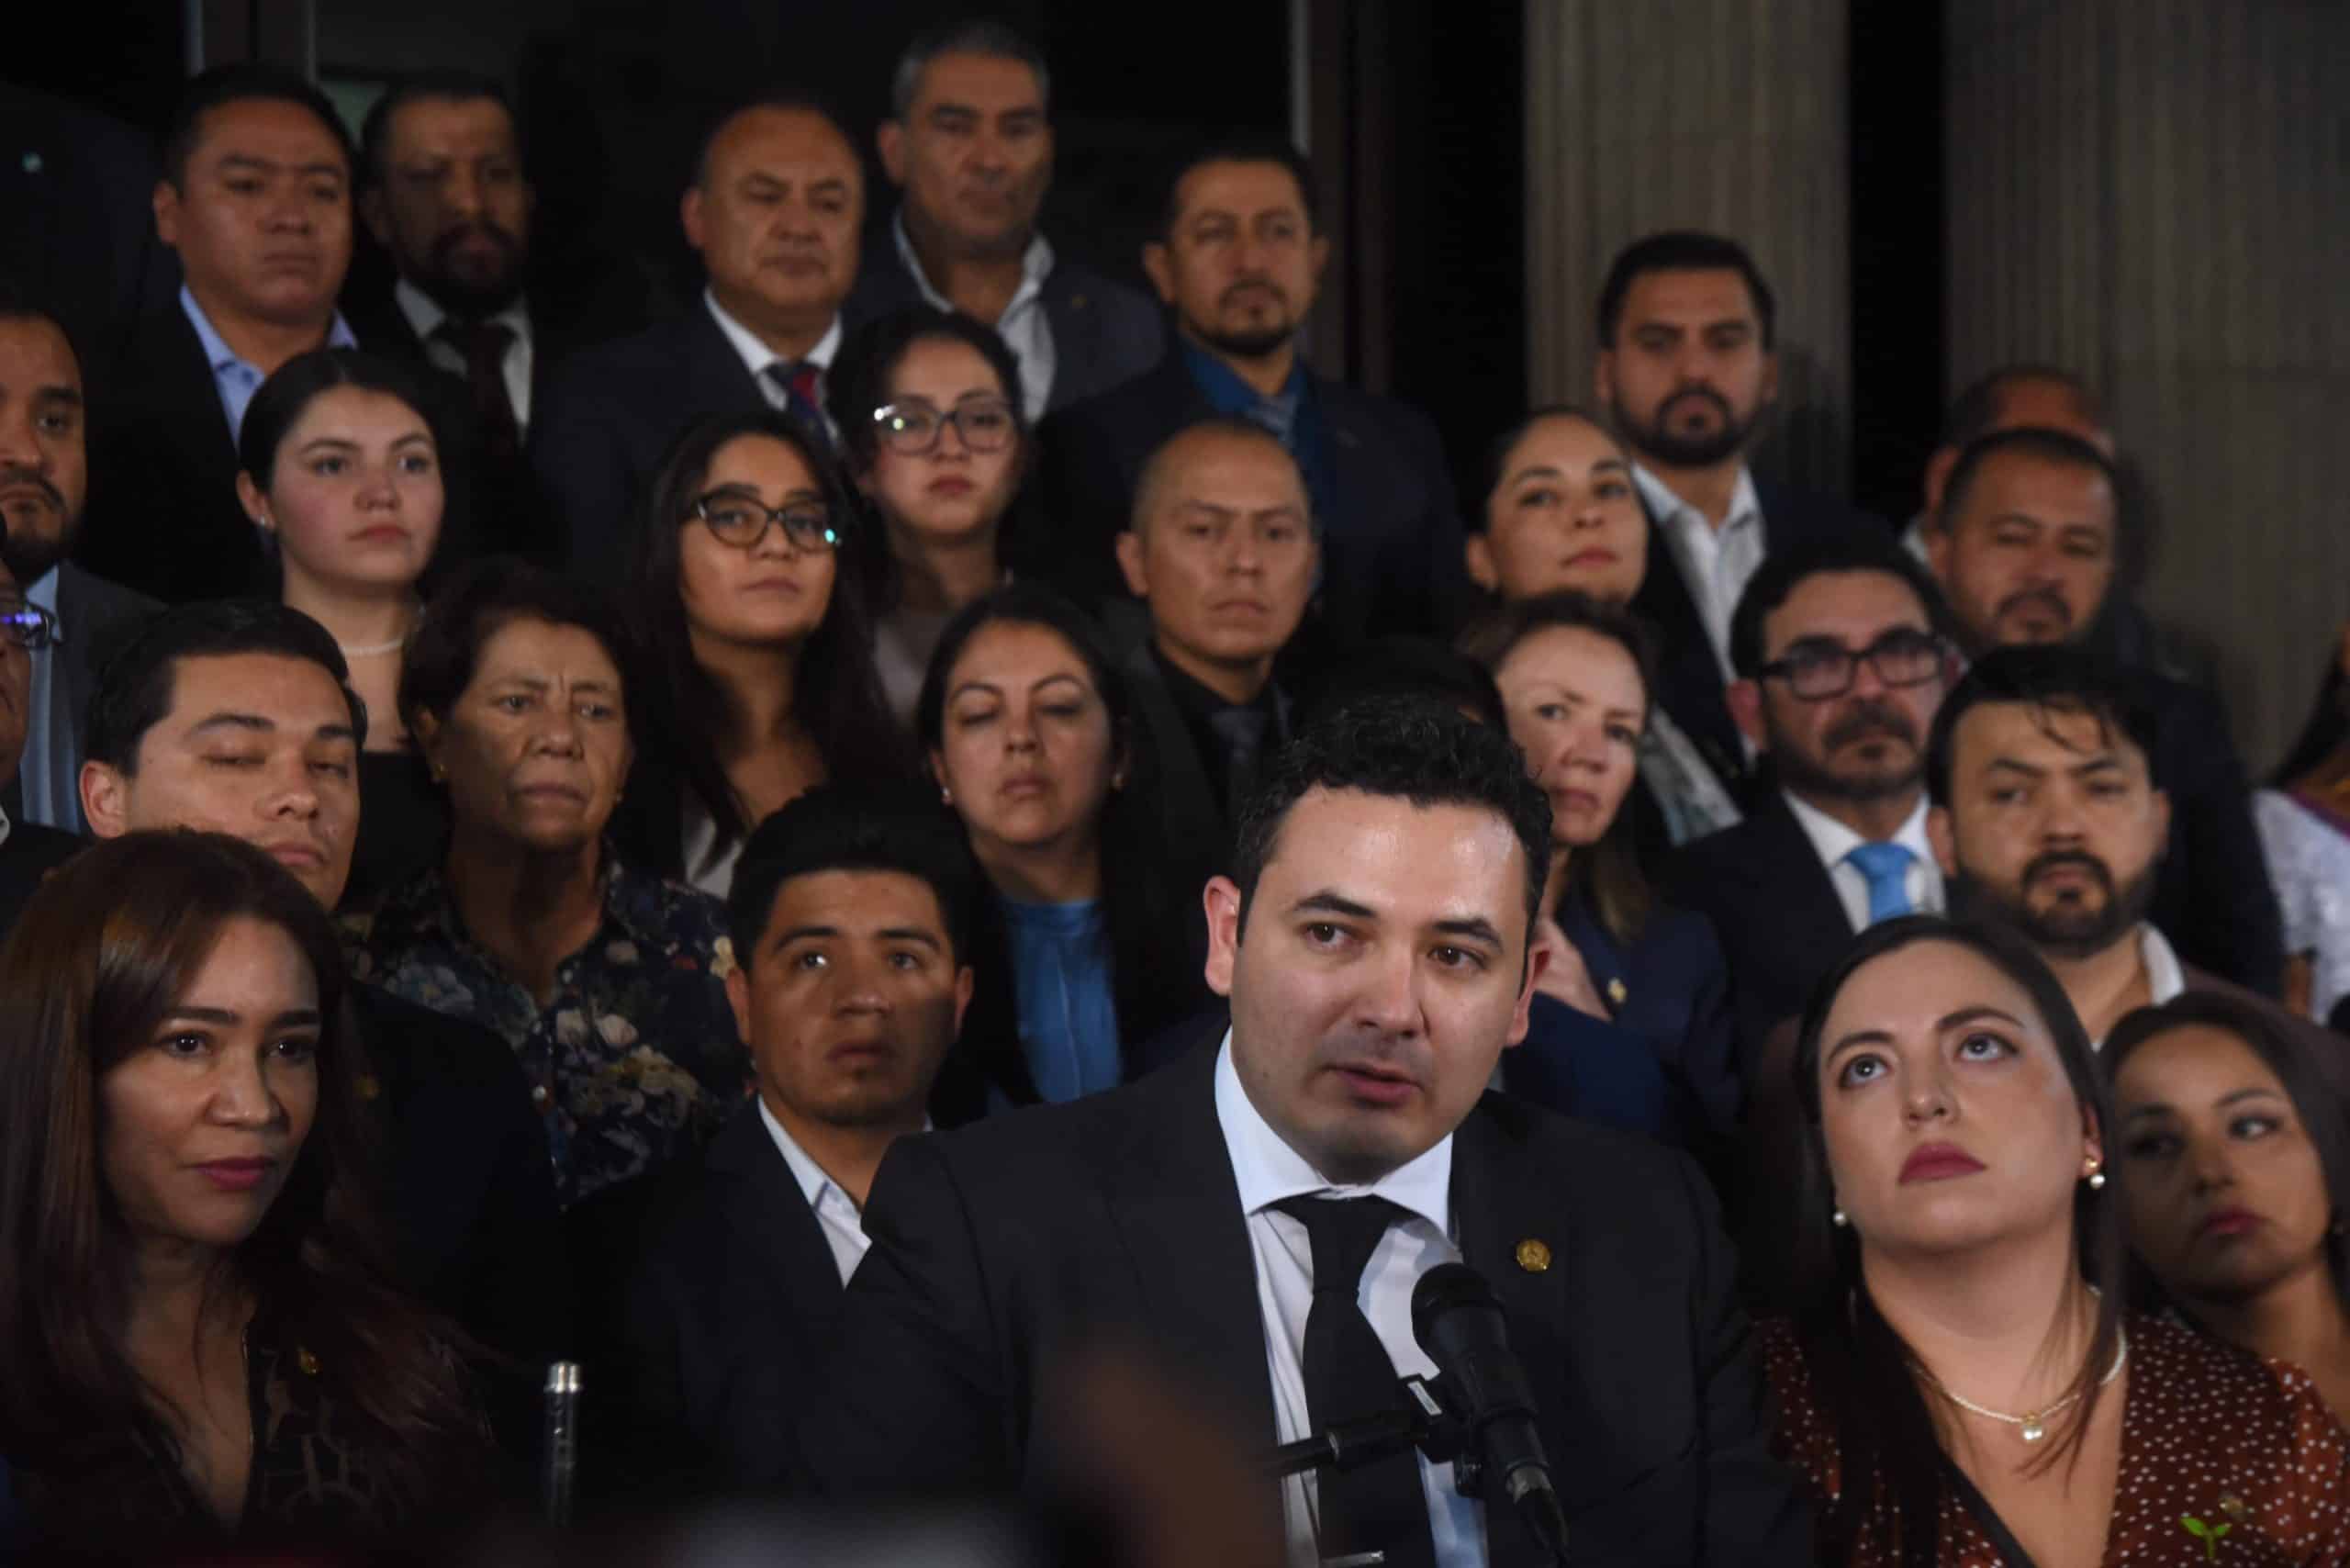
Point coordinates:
pixel 768 1221
pixel 1816 918
pixel 1075 322
pixel 1689 681
pixel 717 379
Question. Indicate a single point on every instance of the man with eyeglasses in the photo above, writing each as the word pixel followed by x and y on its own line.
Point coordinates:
pixel 1840 663
pixel 28 850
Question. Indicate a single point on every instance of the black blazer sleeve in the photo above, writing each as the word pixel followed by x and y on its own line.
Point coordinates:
pixel 2212 896
pixel 579 452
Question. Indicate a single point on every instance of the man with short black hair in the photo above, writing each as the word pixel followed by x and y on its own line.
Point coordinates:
pixel 969 144
pixel 2024 546
pixel 255 197
pixel 1237 260
pixel 851 917
pixel 44 482
pixel 1842 661
pixel 237 716
pixel 1688 366
pixel 1255 1217
pixel 774 209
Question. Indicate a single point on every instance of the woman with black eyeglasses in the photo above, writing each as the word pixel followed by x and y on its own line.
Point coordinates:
pixel 928 406
pixel 756 651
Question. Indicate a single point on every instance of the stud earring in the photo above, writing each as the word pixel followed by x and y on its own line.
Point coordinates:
pixel 1837 1217
pixel 2095 1177
pixel 945 796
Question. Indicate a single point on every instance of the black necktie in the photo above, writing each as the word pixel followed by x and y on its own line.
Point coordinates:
pixel 1377 1507
pixel 483 345
pixel 1242 730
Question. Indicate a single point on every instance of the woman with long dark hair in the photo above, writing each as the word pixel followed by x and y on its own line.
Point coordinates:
pixel 2304 821
pixel 757 651
pixel 1095 937
pixel 1960 1383
pixel 340 468
pixel 2234 1172
pixel 201 1338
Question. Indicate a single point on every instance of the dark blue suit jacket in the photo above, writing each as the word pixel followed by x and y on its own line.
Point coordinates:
pixel 1392 559
pixel 1671 988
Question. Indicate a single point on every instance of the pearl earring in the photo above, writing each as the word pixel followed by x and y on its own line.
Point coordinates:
pixel 1838 1217
pixel 2096 1177
pixel 945 796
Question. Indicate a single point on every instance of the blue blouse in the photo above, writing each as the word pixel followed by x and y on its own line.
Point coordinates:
pixel 1069 1017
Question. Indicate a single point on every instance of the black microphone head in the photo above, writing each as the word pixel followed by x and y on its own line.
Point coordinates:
pixel 1445 1286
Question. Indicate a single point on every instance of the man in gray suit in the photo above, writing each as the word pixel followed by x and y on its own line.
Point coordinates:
pixel 44 479
pixel 970 145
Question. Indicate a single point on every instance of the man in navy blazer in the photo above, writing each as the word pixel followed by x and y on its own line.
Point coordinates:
pixel 1688 367
pixel 773 208
pixel 1375 946
pixel 1238 261
pixel 969 146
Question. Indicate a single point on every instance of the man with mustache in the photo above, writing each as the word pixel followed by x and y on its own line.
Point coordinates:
pixel 1688 366
pixel 1237 260
pixel 1842 663
pixel 44 479
pixel 255 197
pixel 2048 816
pixel 2024 544
pixel 969 144
pixel 773 208
pixel 1252 1219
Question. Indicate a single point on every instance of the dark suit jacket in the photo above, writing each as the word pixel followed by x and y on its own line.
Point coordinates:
pixel 94 616
pixel 1671 989
pixel 707 1297
pixel 1104 333
pixel 1689 679
pixel 1775 909
pixel 1391 557
pixel 163 517
pixel 2212 896
pixel 999 1248
pixel 27 856
pixel 607 415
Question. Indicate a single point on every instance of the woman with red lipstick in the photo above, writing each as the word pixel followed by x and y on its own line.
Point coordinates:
pixel 759 652
pixel 928 403
pixel 341 471
pixel 2235 1178
pixel 1960 1384
pixel 201 1341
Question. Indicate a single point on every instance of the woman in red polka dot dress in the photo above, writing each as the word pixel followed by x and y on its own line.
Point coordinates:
pixel 1960 1386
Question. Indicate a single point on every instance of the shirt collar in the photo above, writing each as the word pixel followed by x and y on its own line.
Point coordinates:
pixel 1036 267
pixel 1222 387
pixel 424 313
pixel 2164 978
pixel 1745 506
pixel 1833 840
pixel 1268 1169
pixel 43 592
pixel 220 356
pixel 756 354
pixel 804 1170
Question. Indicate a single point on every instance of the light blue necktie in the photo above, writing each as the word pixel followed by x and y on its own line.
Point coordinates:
pixel 1886 868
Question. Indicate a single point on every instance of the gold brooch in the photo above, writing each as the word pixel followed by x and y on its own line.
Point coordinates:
pixel 1533 1256
pixel 1615 991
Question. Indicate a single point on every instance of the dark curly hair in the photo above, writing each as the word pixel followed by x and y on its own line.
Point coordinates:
pixel 1408 748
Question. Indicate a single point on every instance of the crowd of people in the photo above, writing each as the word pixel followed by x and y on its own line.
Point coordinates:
pixel 930 849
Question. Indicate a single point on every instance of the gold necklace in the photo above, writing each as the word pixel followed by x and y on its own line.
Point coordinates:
pixel 2035 1422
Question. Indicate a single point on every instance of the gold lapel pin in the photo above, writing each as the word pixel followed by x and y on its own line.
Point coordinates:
pixel 1533 1256
pixel 1615 991
pixel 368 1088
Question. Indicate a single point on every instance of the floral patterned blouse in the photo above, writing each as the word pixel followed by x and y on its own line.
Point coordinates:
pixel 2225 1458
pixel 635 1060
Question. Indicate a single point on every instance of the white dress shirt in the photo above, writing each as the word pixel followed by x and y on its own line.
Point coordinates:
pixel 1716 563
pixel 837 1212
pixel 425 315
pixel 1832 840
pixel 1268 1170
pixel 757 356
pixel 1023 326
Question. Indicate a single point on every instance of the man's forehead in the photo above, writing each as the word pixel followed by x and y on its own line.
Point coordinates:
pixel 785 143
pixel 35 349
pixel 1246 186
pixel 1347 839
pixel 1679 294
pixel 856 900
pixel 1843 604
pixel 992 83
pixel 430 124
pixel 2041 488
pixel 275 128
pixel 298 694
pixel 2042 736
pixel 1233 470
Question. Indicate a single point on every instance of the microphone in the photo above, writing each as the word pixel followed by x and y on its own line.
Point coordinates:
pixel 1458 1321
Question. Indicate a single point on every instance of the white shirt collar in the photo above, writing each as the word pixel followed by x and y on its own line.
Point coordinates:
pixel 1268 1169
pixel 804 1170
pixel 2164 978
pixel 1832 840
pixel 1036 267
pixel 1745 506
pixel 424 313
pixel 756 355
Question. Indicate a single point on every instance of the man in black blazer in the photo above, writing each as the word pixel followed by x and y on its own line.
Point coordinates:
pixel 2024 546
pixel 471 1185
pixel 1688 367
pixel 969 144
pixel 44 482
pixel 1842 658
pixel 1253 1219
pixel 1237 262
pixel 711 1291
pixel 773 208
pixel 255 197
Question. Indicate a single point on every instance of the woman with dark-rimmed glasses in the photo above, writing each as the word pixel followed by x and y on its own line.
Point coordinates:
pixel 757 654
pixel 928 406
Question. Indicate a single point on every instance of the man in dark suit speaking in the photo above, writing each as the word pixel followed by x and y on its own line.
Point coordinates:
pixel 1374 943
